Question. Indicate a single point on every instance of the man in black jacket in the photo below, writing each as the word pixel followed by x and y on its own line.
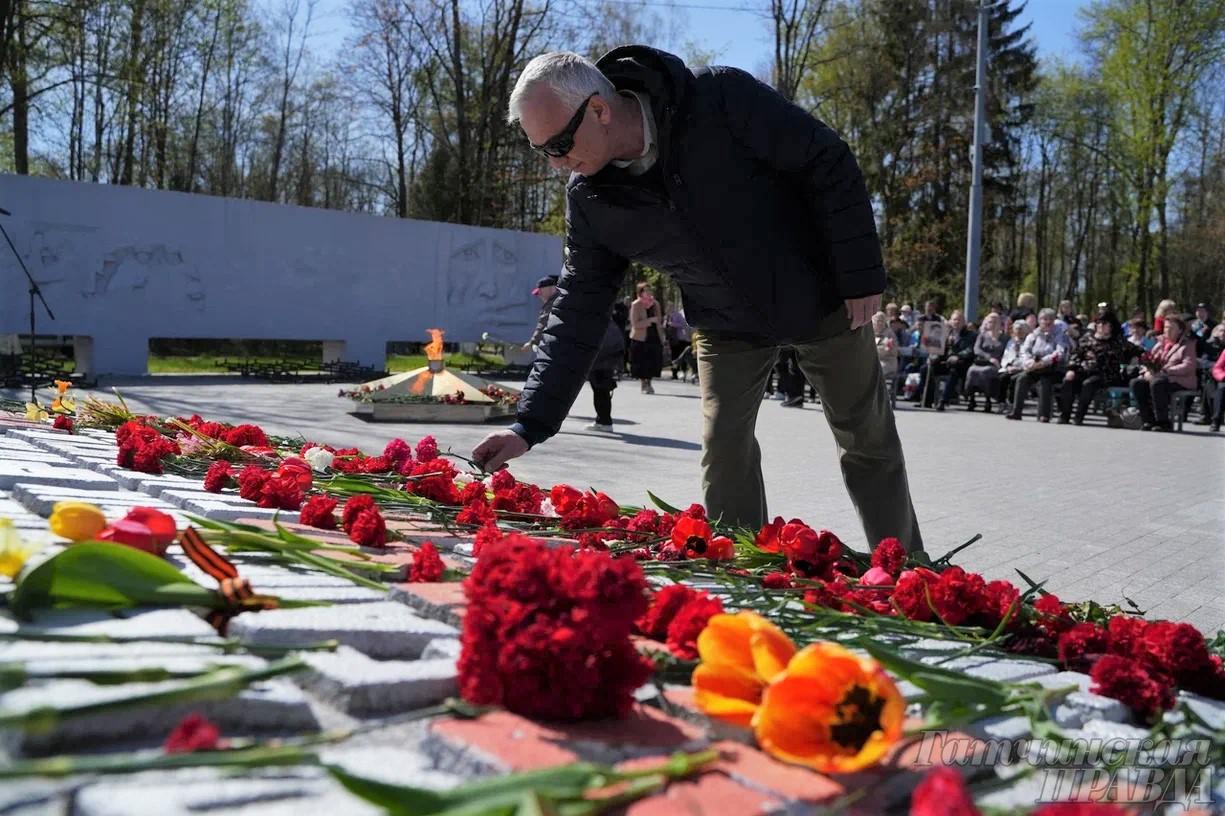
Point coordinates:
pixel 760 214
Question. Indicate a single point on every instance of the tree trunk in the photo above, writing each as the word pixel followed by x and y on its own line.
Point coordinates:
pixel 19 83
pixel 133 82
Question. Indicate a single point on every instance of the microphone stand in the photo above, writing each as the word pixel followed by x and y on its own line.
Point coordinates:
pixel 34 290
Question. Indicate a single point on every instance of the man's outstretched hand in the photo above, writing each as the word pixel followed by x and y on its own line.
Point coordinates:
pixel 860 310
pixel 497 449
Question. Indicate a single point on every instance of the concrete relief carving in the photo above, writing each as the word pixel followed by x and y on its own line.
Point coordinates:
pixel 131 268
pixel 486 287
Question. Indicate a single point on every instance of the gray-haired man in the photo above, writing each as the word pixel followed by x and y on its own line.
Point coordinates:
pixel 760 214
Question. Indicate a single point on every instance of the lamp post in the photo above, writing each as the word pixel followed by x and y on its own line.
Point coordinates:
pixel 975 238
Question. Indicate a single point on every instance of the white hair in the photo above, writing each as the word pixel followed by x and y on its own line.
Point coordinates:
pixel 571 77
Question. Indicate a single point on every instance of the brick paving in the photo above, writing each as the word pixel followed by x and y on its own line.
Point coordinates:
pixel 1095 512
pixel 399 647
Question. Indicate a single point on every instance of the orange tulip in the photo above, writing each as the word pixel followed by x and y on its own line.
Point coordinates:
pixel 831 710
pixel 62 385
pixel 740 655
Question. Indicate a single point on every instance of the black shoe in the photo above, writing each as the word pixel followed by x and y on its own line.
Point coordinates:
pixel 1216 427
pixel 1012 416
pixel 1044 419
pixel 1064 420
pixel 1078 421
pixel 971 405
pixel 940 406
pixel 794 402
pixel 1148 426
pixel 987 408
pixel 1164 427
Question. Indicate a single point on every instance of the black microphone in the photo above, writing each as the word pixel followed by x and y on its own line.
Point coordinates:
pixel 4 211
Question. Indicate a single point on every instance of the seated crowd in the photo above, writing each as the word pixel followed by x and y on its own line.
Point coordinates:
pixel 1068 359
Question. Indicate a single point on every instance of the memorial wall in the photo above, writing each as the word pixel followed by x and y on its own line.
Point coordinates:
pixel 120 265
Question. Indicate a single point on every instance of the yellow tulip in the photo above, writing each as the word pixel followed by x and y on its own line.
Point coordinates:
pixel 740 655
pixel 13 551
pixel 831 710
pixel 77 521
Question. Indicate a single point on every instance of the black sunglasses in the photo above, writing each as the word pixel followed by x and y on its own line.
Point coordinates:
pixel 561 144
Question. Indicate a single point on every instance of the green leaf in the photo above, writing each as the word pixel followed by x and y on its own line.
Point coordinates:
pixel 395 799
pixel 940 683
pixel 662 505
pixel 108 576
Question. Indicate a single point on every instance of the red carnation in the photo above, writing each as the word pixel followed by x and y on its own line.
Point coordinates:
pixel 398 451
pixel 142 448
pixel 1001 598
pixel 958 595
pixel 369 529
pixel 1126 634
pixel 721 548
pixel 664 605
pixel 353 508
pixel 1176 649
pixel 251 482
pixel 476 512
pixel 245 435
pixel 501 480
pixel 62 422
pixel 320 512
pixel 1052 615
pixel 472 491
pixel 427 565
pixel 377 464
pixel 912 594
pixel 518 498
pixel 427 448
pixel 590 510
pixel 696 511
pixel 434 479
pixel 890 556
pixel 942 792
pixel 281 493
pixel 193 733
pixel 220 475
pixel 689 622
pixel 1145 692
pixel 488 534
pixel 546 631
pixel 1082 644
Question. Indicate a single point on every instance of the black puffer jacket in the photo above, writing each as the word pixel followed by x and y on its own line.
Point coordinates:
pixel 755 208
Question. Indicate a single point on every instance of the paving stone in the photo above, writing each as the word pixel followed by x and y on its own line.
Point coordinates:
pixel 361 686
pixel 382 630
pixel 48 657
pixel 441 601
pixel 1002 727
pixel 1003 669
pixel 41 499
pixel 274 705
pixel 35 457
pixel 218 506
pixel 270 792
pixel 1210 711
pixel 12 473
pixel 1110 730
pixel 151 624
pixel 441 647
pixel 393 765
pixel 1080 707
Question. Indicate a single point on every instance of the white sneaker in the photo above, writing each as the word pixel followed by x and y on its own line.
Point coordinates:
pixel 595 426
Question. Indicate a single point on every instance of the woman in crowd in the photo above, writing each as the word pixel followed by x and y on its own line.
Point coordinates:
pixel 957 357
pixel 1164 309
pixel 886 344
pixel 1169 367
pixel 677 332
pixel 646 338
pixel 1096 363
pixel 1010 363
pixel 984 374
pixel 1043 357
pixel 1027 302
pixel 1218 381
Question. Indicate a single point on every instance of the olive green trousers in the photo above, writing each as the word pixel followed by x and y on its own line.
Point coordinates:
pixel 842 365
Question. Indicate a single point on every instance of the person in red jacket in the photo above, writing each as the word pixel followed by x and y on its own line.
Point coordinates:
pixel 1218 377
pixel 1170 366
